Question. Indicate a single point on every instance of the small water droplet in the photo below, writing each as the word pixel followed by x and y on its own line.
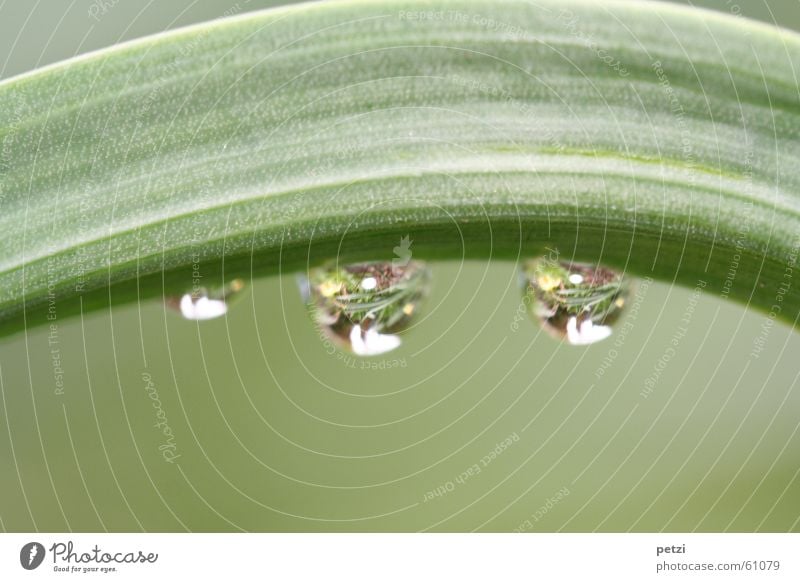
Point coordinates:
pixel 362 307
pixel 576 302
pixel 202 304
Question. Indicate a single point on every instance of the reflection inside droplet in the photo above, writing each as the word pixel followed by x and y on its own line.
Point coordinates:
pixel 363 306
pixel 576 302
pixel 201 304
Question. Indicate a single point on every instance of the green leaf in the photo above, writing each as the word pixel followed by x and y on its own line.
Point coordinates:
pixel 652 138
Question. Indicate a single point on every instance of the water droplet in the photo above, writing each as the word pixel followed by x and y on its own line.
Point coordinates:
pixel 576 302
pixel 202 304
pixel 361 307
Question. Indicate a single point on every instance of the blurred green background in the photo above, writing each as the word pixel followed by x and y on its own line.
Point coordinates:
pixel 274 432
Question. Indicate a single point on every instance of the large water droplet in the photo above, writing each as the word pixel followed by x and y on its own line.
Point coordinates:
pixel 202 304
pixel 576 302
pixel 362 307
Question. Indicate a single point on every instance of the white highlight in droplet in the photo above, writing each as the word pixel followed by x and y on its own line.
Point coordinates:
pixel 371 342
pixel 202 308
pixel 369 283
pixel 586 333
pixel 576 278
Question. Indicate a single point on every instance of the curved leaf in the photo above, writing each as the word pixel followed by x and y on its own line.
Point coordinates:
pixel 657 139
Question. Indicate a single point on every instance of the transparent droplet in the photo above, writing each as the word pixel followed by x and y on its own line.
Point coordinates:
pixel 576 302
pixel 362 307
pixel 202 304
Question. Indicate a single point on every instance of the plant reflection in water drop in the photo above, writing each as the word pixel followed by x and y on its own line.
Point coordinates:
pixel 576 302
pixel 202 304
pixel 363 306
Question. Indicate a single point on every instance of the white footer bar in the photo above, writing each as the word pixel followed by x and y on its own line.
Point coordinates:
pixel 401 557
